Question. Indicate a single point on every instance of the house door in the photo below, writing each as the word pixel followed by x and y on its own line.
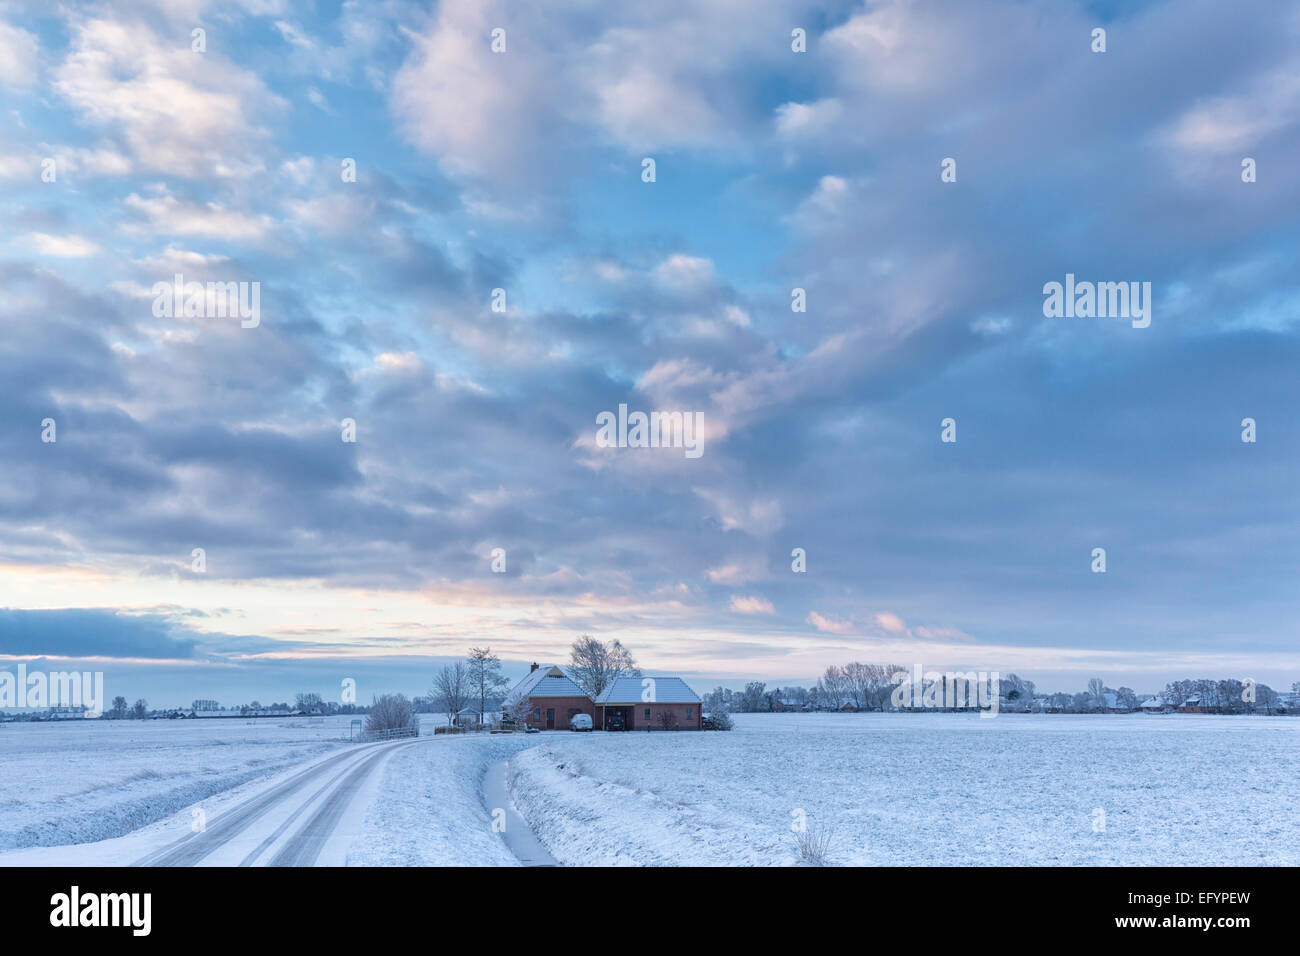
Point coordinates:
pixel 550 718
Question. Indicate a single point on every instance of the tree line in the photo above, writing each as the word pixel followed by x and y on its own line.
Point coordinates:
pixel 867 687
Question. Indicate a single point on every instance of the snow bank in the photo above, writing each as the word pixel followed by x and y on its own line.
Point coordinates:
pixel 611 806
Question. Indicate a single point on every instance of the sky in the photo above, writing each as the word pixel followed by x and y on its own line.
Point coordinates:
pixel 133 149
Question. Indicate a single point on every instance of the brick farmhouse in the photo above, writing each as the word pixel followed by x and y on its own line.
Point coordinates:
pixel 649 703
pixel 555 699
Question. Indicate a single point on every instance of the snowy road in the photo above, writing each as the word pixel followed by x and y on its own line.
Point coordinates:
pixel 309 819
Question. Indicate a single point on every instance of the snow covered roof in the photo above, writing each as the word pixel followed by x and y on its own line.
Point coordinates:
pixel 630 690
pixel 547 681
pixel 1153 702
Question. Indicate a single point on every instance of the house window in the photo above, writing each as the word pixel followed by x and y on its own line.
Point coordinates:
pixel 647 713
pixel 537 713
pixel 688 713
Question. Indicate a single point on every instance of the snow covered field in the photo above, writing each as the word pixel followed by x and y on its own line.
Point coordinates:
pixel 85 780
pixel 924 790
pixel 895 789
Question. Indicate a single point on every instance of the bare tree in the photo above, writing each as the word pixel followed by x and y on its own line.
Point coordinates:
pixel 1097 691
pixel 451 688
pixel 753 699
pixel 521 709
pixel 667 720
pixel 141 709
pixel 390 712
pixel 485 677
pixel 857 683
pixel 834 686
pixel 594 665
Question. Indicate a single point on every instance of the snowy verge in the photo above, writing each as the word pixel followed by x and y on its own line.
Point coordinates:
pixel 428 810
pixel 588 819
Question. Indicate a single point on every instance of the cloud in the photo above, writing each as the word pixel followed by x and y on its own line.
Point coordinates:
pixel 830 625
pixel 816 119
pixel 182 113
pixel 891 623
pixel 741 571
pixel 476 428
pixel 751 605
pixel 398 363
pixel 89 632
pixel 687 273
pixel 63 247
pixel 481 112
pixel 1240 124
pixel 18 56
pixel 166 215
pixel 569 81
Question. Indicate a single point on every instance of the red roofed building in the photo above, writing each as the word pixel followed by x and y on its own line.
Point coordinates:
pixel 555 699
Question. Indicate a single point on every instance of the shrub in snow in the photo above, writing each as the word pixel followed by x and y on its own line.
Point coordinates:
pixel 815 844
pixel 390 712
pixel 720 720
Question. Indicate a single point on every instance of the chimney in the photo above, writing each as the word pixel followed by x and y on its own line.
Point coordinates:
pixel 533 668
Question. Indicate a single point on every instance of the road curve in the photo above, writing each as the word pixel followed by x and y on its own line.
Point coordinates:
pixel 318 795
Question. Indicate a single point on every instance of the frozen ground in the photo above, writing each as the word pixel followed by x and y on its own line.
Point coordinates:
pixel 895 789
pixel 82 781
pixel 924 790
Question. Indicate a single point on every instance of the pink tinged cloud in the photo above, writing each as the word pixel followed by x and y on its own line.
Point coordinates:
pixel 829 624
pixel 751 605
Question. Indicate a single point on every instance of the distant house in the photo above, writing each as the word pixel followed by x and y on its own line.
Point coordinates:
pixel 468 718
pixel 646 703
pixel 1114 704
pixel 1155 705
pixel 554 699
pixel 847 706
pixel 1192 705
